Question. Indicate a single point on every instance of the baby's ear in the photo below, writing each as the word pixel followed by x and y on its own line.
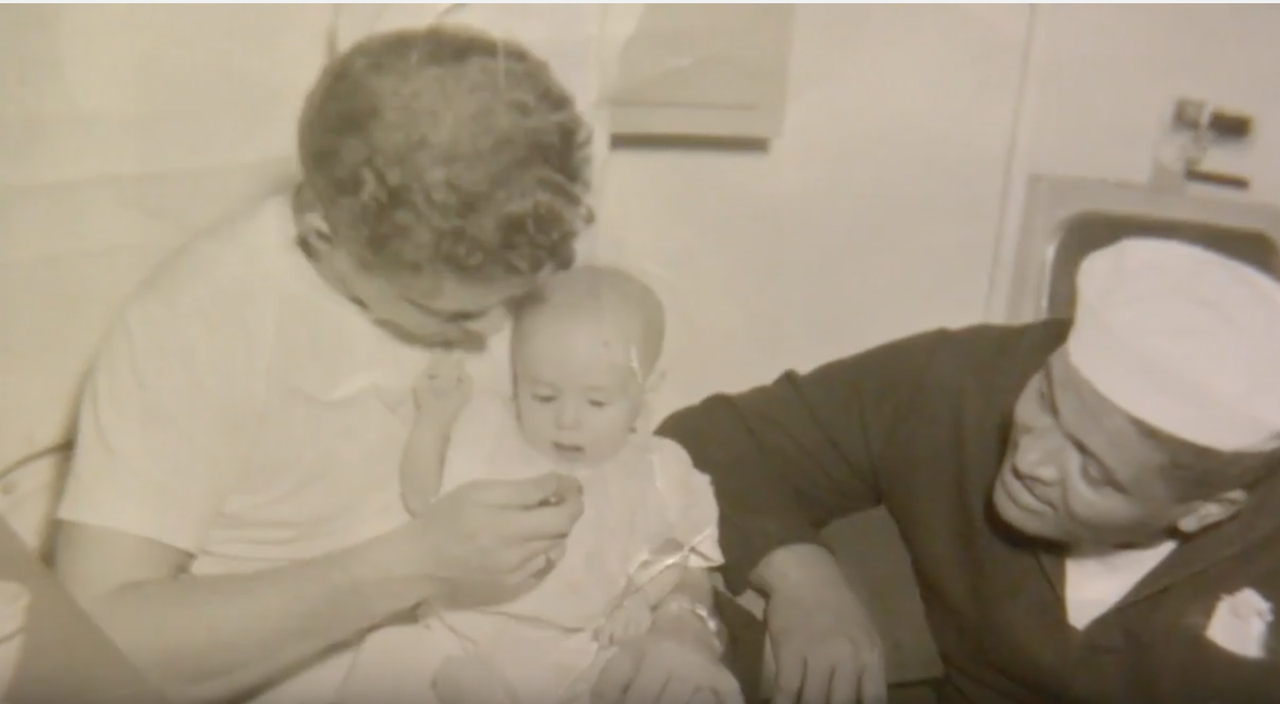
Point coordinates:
pixel 656 378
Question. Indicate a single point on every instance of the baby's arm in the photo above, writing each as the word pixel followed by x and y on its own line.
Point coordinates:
pixel 676 592
pixel 661 584
pixel 687 610
pixel 440 395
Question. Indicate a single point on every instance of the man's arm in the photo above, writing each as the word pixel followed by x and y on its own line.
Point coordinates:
pixel 788 458
pixel 203 639
pixel 169 412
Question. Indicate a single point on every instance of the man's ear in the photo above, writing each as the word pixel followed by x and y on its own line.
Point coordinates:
pixel 1212 511
pixel 315 231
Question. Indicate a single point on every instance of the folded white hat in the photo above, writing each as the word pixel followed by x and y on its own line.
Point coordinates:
pixel 1183 338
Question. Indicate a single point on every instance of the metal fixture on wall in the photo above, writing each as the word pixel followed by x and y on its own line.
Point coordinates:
pixel 1194 127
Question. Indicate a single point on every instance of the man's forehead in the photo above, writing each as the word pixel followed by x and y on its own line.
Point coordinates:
pixel 1099 427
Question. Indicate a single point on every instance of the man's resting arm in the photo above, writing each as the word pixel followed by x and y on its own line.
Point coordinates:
pixel 211 638
pixel 788 458
pixel 170 407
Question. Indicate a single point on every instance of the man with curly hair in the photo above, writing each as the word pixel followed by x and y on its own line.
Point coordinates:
pixel 233 515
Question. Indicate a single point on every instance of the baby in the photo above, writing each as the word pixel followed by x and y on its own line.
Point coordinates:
pixel 584 353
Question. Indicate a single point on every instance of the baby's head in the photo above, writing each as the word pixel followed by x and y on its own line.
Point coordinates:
pixel 584 352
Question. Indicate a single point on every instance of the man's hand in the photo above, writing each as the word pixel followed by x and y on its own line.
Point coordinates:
pixel 487 541
pixel 659 669
pixel 822 647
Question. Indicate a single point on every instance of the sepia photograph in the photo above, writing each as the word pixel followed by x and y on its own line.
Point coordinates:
pixel 607 353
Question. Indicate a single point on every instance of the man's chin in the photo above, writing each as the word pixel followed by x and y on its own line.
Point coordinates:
pixel 1028 525
pixel 463 343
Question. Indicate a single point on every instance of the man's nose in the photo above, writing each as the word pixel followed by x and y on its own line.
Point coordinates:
pixel 1042 457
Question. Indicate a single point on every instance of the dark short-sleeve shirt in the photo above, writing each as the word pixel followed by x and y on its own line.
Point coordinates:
pixel 921 426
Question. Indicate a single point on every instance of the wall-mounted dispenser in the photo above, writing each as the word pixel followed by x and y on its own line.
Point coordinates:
pixel 1195 127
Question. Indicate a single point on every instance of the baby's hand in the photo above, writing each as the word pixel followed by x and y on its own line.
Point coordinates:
pixel 630 620
pixel 442 390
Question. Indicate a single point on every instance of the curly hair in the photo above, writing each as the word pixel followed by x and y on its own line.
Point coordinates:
pixel 446 148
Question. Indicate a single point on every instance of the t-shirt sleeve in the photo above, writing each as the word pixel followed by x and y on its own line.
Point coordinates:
pixel 168 410
pixel 788 458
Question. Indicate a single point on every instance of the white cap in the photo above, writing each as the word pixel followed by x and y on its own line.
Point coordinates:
pixel 1182 338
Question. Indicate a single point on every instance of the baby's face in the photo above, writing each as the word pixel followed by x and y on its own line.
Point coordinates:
pixel 577 393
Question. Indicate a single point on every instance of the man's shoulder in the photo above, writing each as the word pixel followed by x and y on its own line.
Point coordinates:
pixel 222 267
pixel 982 351
pixel 973 367
pixel 215 293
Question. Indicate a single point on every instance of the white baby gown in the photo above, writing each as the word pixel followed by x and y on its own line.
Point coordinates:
pixel 15 599
pixel 643 509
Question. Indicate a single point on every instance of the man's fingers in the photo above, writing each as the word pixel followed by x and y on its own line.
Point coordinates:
pixel 543 490
pixel 538 559
pixel 534 553
pixel 549 522
pixel 789 676
pixel 873 684
pixel 817 680
pixel 844 686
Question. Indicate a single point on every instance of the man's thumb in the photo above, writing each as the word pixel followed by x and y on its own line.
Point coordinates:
pixel 543 490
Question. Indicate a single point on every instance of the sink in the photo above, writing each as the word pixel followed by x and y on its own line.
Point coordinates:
pixel 1067 218
pixel 1089 231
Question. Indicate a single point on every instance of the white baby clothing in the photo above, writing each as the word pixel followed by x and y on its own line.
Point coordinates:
pixel 643 508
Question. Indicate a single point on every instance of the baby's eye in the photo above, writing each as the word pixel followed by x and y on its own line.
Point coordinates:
pixel 543 398
pixel 597 403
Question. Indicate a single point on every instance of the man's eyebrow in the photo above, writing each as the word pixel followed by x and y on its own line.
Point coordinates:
pixel 1051 395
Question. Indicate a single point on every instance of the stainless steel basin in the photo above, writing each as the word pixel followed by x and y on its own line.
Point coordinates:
pixel 1067 218
pixel 1089 231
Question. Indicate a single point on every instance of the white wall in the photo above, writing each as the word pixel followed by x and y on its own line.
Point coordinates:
pixel 873 216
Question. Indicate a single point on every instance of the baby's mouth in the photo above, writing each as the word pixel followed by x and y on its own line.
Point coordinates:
pixel 568 450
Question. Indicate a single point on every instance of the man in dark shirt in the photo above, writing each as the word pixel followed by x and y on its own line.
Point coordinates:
pixel 1090 507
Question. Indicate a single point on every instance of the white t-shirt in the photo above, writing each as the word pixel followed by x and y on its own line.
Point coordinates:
pixel 1094 584
pixel 243 411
